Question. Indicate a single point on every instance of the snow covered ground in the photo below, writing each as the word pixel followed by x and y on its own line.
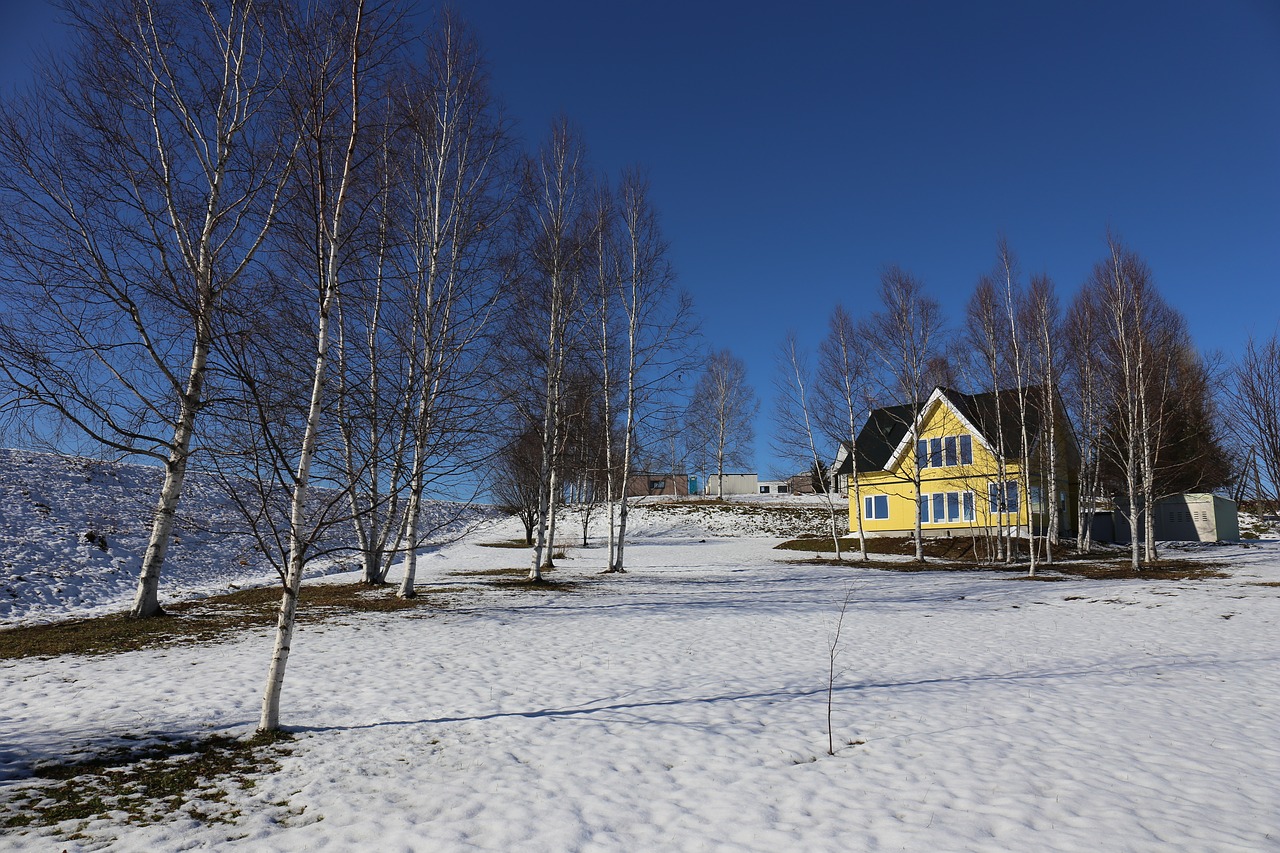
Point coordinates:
pixel 682 707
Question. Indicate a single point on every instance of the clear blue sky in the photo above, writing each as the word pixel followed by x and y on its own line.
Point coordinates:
pixel 796 149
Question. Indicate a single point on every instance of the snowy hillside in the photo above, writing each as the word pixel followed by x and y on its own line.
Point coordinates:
pixel 682 706
pixel 73 531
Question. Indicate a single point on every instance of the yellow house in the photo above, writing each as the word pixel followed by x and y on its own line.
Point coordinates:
pixel 967 451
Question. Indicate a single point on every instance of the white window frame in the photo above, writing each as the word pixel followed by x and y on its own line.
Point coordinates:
pixel 949 447
pixel 964 504
pixel 869 507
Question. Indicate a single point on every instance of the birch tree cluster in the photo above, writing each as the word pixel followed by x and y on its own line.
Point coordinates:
pixel 299 245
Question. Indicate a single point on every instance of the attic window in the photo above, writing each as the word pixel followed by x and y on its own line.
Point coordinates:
pixel 945 452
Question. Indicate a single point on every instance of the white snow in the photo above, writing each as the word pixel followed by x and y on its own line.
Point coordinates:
pixel 682 707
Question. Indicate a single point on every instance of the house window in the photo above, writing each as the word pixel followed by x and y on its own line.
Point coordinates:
pixel 657 485
pixel 946 507
pixel 875 506
pixel 782 490
pixel 764 490
pixel 1003 499
pixel 945 452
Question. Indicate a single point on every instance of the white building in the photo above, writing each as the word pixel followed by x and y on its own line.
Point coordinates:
pixel 734 484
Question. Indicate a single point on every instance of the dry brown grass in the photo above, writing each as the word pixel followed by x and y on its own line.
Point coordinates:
pixel 203 620
pixel 143 783
pixel 956 554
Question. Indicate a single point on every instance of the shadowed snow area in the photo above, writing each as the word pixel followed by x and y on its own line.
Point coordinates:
pixel 682 707
pixel 73 532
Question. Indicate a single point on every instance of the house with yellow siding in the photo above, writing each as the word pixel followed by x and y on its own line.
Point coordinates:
pixel 967 450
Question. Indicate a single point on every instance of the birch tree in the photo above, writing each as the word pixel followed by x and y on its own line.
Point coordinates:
pixel 336 49
pixel 656 329
pixel 553 235
pixel 1042 321
pixel 457 198
pixel 905 336
pixel 721 415
pixel 139 181
pixel 1122 286
pixel 987 339
pixel 844 395
pixel 1020 364
pixel 1085 390
pixel 796 435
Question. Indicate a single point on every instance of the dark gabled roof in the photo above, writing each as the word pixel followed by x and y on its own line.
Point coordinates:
pixel 994 414
pixel 879 436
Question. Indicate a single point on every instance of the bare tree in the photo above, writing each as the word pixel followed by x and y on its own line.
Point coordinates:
pixel 516 487
pixel 1255 399
pixel 457 195
pixel 1020 361
pixel 844 395
pixel 721 415
pixel 986 337
pixel 139 181
pixel 1086 399
pixel 555 226
pixel 656 329
pixel 1043 321
pixel 336 50
pixel 905 337
pixel 1140 339
pixel 796 435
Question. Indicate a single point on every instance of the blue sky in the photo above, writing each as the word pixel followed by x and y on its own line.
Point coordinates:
pixel 797 149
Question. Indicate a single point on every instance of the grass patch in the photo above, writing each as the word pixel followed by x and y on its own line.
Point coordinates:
pixel 956 554
pixel 949 548
pixel 143 784
pixel 535 586
pixel 496 573
pixel 1162 570
pixel 200 621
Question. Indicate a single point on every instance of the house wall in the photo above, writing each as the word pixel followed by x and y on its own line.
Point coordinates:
pixel 1188 518
pixel 734 484
pixel 644 484
pixel 974 479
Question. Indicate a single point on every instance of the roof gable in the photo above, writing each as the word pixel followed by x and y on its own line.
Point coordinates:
pixel 993 417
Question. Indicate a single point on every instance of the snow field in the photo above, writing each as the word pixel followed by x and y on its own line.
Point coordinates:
pixel 682 707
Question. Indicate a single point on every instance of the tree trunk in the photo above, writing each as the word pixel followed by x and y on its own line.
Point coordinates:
pixel 146 602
